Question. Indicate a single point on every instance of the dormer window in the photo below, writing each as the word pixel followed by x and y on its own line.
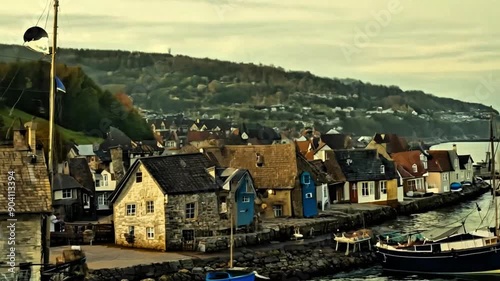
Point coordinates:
pixel 415 168
pixel 382 169
pixel 259 160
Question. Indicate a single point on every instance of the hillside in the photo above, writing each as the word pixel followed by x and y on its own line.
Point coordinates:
pixel 270 95
pixel 84 108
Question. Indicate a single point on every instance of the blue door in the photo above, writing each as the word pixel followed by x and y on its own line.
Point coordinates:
pixel 244 203
pixel 309 202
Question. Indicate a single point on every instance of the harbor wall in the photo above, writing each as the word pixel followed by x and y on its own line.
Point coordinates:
pixel 290 262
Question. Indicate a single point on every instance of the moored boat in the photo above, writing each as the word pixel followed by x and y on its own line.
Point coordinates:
pixel 456 187
pixel 228 275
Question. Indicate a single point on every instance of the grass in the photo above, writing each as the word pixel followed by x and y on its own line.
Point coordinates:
pixel 43 127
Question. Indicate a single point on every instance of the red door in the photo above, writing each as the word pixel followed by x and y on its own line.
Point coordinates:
pixel 353 193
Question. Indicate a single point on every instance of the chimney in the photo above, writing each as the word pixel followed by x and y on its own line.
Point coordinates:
pixel 455 147
pixel 31 127
pixel 66 168
pixel 20 137
pixel 117 162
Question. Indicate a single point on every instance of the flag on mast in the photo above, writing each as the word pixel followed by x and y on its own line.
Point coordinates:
pixel 60 86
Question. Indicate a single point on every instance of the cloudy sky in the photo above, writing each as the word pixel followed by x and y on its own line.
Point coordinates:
pixel 447 48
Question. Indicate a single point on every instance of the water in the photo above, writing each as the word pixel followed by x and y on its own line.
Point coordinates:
pixel 445 217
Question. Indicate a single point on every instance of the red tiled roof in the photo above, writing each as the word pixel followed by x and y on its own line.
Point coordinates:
pixel 409 158
pixel 439 161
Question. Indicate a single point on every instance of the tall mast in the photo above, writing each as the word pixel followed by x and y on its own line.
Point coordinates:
pixel 231 238
pixel 493 174
pixel 52 92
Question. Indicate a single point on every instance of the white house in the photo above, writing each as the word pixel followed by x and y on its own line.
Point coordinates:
pixel 105 184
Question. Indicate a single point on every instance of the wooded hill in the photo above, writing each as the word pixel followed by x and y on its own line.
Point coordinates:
pixel 194 86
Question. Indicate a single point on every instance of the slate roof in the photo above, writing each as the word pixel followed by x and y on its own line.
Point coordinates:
pixel 145 146
pixel 407 159
pixel 279 169
pixel 174 174
pixel 62 181
pixel 33 193
pixel 79 169
pixel 204 135
pixel 115 137
pixel 439 161
pixel 364 165
pixel 212 124
pixel 257 134
pixel 463 160
pixel 337 141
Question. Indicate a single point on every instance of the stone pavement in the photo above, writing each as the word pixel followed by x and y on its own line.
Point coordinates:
pixel 101 256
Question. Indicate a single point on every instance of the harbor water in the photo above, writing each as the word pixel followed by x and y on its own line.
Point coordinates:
pixel 474 214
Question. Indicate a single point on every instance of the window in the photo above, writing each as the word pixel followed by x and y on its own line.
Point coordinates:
pixel 278 210
pixel 382 169
pixel 105 180
pixel 425 164
pixel 102 199
pixel 259 160
pixel 190 211
pixel 131 230
pixel 457 176
pixel 415 168
pixel 138 177
pixel 364 189
pixel 245 199
pixel 130 210
pixel 309 195
pixel 67 194
pixel 383 187
pixel 445 177
pixel 97 183
pixel 150 232
pixel 306 179
pixel 86 201
pixel 150 207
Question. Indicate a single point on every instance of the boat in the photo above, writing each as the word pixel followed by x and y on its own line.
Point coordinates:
pixel 456 187
pixel 454 251
pixel 230 275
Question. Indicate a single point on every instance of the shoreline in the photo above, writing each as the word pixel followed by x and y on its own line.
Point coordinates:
pixel 300 260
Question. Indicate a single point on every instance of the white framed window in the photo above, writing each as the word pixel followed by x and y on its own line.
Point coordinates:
pixel 86 201
pixel 105 180
pixel 365 190
pixel 130 209
pixel 445 176
pixel 245 199
pixel 278 210
pixel 414 168
pixel 67 194
pixel 190 210
pixel 150 207
pixel 102 199
pixel 382 169
pixel 309 195
pixel 383 187
pixel 307 179
pixel 150 232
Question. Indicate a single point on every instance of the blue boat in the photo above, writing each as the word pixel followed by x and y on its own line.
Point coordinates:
pixel 456 187
pixel 229 275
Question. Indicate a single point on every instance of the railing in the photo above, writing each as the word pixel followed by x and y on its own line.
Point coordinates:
pixel 74 234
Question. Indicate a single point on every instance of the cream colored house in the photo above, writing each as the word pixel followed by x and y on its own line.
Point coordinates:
pixel 441 171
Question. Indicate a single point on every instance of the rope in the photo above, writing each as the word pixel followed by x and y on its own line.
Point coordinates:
pixel 41 15
pixel 11 81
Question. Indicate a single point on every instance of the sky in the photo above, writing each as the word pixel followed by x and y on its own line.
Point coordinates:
pixel 447 48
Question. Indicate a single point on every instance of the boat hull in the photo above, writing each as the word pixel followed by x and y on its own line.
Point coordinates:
pixel 230 275
pixel 482 260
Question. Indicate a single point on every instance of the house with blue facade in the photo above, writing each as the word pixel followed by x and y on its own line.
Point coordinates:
pixel 308 190
pixel 174 202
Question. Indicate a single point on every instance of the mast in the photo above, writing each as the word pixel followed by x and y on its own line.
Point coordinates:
pixel 52 92
pixel 493 174
pixel 231 237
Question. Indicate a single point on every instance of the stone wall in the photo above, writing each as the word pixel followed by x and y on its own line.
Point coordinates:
pixel 298 262
pixel 28 242
pixel 441 200
pixel 207 218
pixel 282 197
pixel 139 193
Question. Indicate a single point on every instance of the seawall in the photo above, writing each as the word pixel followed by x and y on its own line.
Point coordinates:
pixel 291 262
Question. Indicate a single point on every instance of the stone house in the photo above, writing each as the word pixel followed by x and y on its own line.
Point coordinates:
pixel 371 177
pixel 22 165
pixel 414 163
pixel 167 202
